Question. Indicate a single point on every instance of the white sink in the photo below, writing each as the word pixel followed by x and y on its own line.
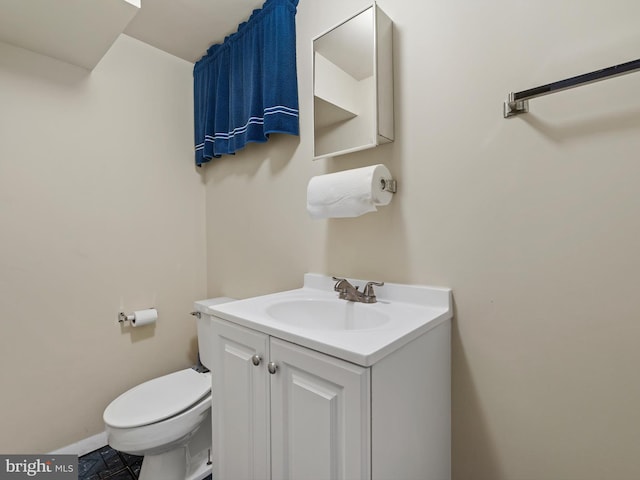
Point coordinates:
pixel 327 314
pixel 314 316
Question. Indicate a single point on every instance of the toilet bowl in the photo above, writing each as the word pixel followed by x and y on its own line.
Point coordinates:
pixel 168 419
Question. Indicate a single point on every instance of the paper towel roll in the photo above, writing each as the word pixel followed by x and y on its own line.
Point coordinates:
pixel 144 317
pixel 350 193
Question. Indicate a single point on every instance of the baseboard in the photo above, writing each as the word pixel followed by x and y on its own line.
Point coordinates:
pixel 83 446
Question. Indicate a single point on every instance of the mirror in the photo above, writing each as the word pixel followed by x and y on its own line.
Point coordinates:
pixel 353 85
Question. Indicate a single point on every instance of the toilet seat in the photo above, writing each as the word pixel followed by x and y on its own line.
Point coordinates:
pixel 158 399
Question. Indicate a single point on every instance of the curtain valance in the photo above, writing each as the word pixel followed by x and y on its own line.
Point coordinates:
pixel 247 87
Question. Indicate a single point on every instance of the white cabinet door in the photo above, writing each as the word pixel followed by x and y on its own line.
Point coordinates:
pixel 240 410
pixel 320 416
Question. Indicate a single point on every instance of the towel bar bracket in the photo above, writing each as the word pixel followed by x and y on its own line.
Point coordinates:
pixel 513 107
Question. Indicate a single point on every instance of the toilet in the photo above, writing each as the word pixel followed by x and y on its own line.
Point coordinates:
pixel 168 419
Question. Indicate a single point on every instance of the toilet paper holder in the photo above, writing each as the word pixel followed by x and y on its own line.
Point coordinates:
pixel 123 317
pixel 127 317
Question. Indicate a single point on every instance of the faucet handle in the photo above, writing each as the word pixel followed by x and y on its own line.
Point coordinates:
pixel 340 286
pixel 368 289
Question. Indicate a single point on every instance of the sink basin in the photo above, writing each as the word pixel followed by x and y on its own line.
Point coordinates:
pixel 327 314
pixel 313 316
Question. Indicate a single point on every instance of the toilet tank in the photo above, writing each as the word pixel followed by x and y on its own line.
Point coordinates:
pixel 205 335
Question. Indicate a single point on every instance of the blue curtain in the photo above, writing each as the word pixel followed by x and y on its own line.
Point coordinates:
pixel 247 87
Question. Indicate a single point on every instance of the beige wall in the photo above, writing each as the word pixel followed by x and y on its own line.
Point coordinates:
pixel 101 210
pixel 534 222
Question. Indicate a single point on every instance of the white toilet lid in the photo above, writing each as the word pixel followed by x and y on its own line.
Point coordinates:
pixel 157 399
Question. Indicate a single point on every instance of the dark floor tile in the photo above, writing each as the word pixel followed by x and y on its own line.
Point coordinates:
pixel 122 475
pixel 136 466
pixel 134 462
pixel 111 458
pixel 102 463
pixel 109 464
pixel 130 459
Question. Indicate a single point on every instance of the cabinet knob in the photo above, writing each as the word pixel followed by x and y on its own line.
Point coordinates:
pixel 256 359
pixel 272 367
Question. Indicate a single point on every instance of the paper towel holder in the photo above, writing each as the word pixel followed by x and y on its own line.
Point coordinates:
pixel 389 185
pixel 128 317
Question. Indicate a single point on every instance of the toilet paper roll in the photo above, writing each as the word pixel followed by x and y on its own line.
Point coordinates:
pixel 350 193
pixel 144 317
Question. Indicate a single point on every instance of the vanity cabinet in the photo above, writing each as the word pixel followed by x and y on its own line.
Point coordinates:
pixel 283 411
pixel 305 420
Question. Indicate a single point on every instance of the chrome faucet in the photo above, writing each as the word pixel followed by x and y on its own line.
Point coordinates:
pixel 350 293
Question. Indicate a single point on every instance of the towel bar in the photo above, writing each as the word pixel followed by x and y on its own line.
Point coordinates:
pixel 518 103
